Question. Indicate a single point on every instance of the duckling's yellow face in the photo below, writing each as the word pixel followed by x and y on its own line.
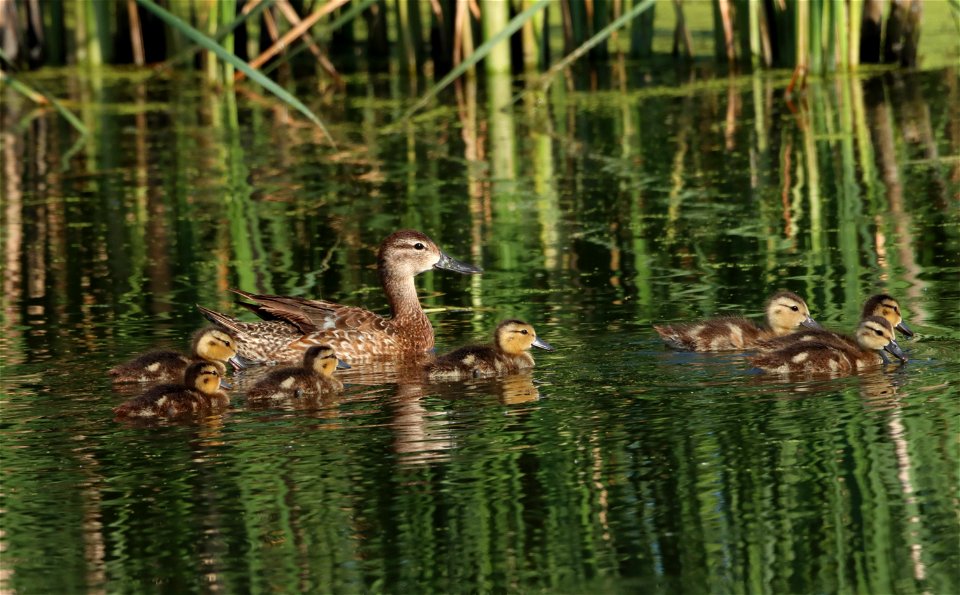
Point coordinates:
pixel 876 333
pixel 206 378
pixel 514 337
pixel 325 361
pixel 216 345
pixel 887 307
pixel 786 311
pixel 407 253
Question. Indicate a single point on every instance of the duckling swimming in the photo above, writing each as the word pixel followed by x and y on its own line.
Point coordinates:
pixel 879 305
pixel 314 377
pixel 209 344
pixel 884 305
pixel 199 393
pixel 786 311
pixel 509 354
pixel 293 324
pixel 874 336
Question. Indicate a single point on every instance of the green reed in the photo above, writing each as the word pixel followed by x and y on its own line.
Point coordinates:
pixel 816 35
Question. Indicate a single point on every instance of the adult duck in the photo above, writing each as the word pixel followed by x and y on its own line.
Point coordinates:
pixel 292 325
pixel 785 311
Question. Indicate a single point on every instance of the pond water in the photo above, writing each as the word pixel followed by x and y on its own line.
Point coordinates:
pixel 618 199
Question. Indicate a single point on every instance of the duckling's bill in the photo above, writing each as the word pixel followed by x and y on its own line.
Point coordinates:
pixel 810 323
pixel 342 365
pixel 893 348
pixel 543 344
pixel 903 328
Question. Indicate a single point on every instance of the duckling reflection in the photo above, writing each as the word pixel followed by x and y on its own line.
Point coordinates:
pixel 785 312
pixel 835 355
pixel 509 353
pixel 419 434
pixel 311 379
pixel 209 344
pixel 198 394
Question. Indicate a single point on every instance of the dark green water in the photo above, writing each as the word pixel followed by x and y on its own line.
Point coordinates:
pixel 617 466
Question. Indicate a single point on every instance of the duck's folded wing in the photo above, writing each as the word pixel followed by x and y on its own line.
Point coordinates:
pixel 307 315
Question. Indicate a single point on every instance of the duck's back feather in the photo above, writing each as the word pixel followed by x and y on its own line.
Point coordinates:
pixel 170 400
pixel 155 366
pixel 727 333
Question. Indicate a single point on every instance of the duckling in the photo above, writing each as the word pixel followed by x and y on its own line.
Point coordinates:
pixel 509 354
pixel 199 393
pixel 292 324
pixel 785 312
pixel 209 344
pixel 879 305
pixel 874 336
pixel 884 305
pixel 314 377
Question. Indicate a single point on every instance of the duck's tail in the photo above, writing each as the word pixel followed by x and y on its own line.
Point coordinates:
pixel 221 320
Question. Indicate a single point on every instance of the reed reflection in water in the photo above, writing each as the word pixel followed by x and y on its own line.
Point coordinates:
pixel 600 207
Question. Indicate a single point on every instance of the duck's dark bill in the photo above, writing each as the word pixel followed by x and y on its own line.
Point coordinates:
pixel 342 365
pixel 811 323
pixel 893 348
pixel 543 344
pixel 903 328
pixel 452 264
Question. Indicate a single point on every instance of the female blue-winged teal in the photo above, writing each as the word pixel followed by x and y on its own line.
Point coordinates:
pixel 881 305
pixel 209 344
pixel 293 324
pixel 509 354
pixel 835 355
pixel 199 393
pixel 786 311
pixel 313 378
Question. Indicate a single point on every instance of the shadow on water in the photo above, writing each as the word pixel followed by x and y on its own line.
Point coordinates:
pixel 596 209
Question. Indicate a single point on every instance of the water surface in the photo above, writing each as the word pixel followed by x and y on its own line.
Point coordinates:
pixel 610 203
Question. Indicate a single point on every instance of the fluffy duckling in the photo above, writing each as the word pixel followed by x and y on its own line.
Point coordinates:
pixel 786 311
pixel 314 377
pixel 884 305
pixel 199 393
pixel 509 354
pixel 874 336
pixel 209 344
pixel 879 305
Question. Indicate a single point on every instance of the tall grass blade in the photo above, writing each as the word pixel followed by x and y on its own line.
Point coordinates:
pixel 216 48
pixel 600 36
pixel 41 97
pixel 356 9
pixel 221 33
pixel 479 54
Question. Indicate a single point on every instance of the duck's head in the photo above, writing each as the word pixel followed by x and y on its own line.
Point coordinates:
pixel 516 336
pixel 876 333
pixel 204 377
pixel 216 345
pixel 884 305
pixel 322 360
pixel 407 253
pixel 786 311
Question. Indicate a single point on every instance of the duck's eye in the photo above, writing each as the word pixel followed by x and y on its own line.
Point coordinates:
pixel 524 332
pixel 879 333
pixel 418 246
pixel 795 308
